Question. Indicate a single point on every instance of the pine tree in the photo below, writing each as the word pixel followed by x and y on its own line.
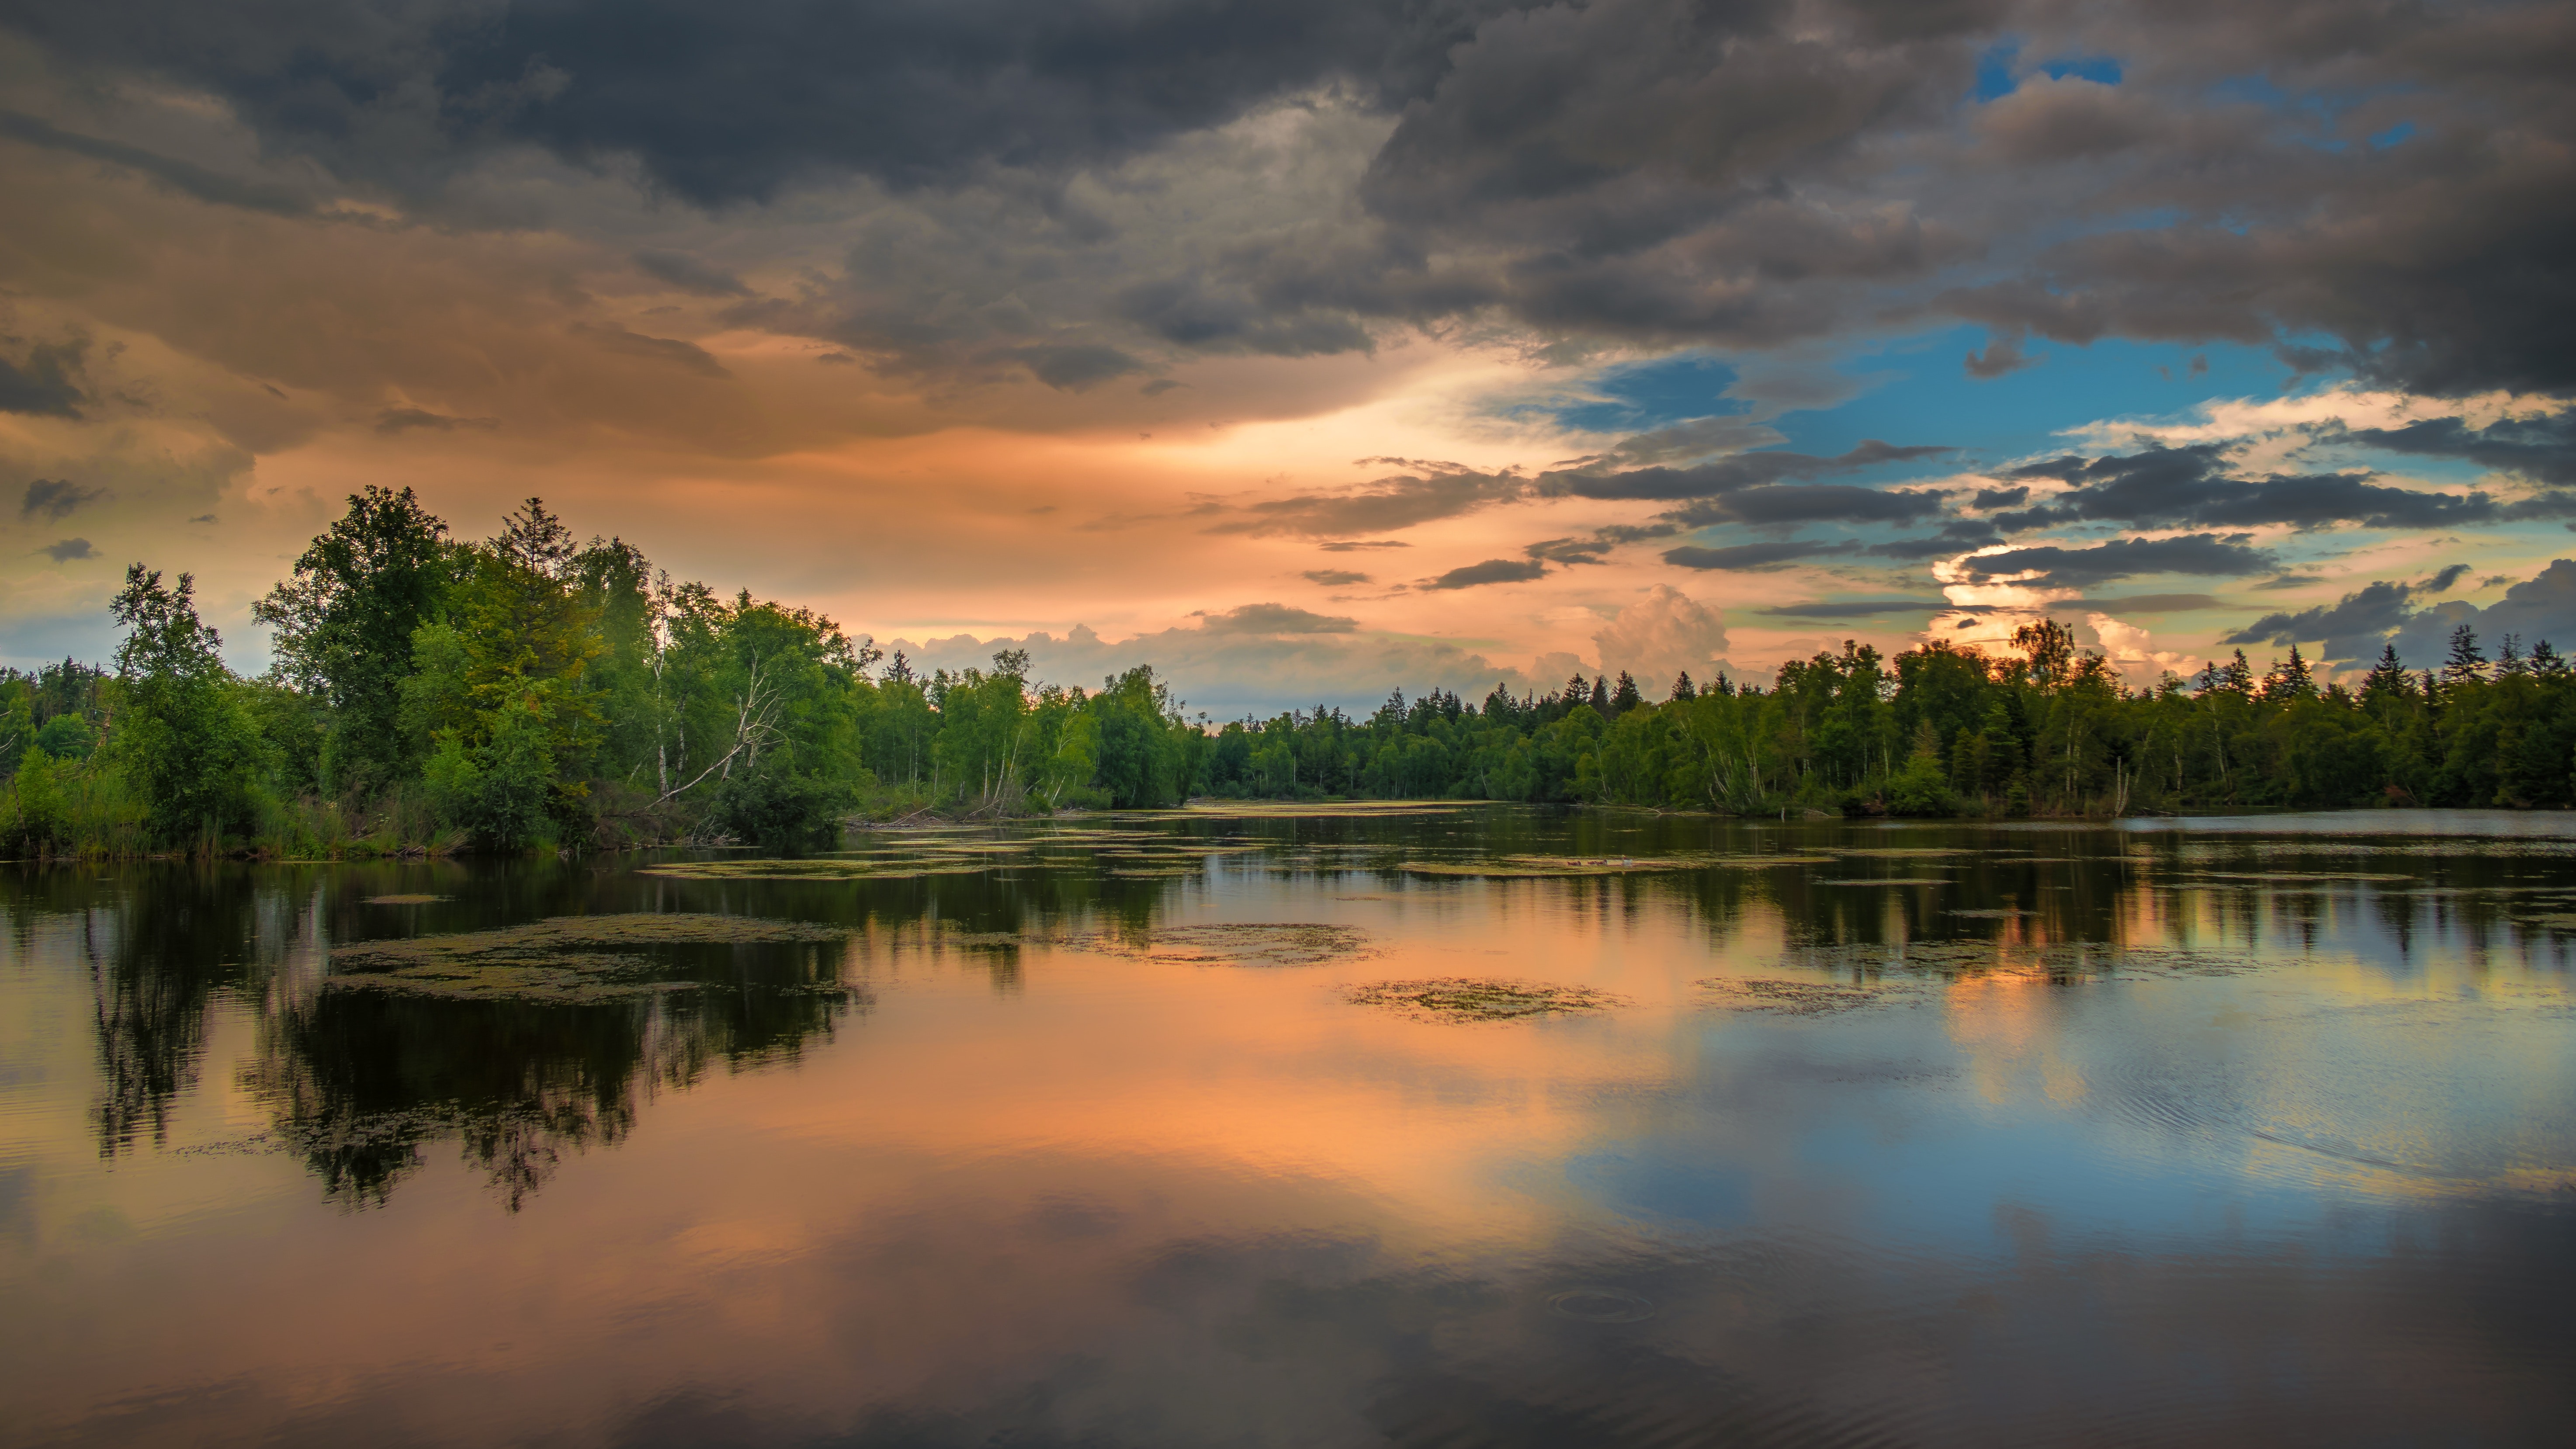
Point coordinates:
pixel 2289 680
pixel 1625 697
pixel 1601 695
pixel 2388 683
pixel 2547 662
pixel 2509 660
pixel 2467 662
pixel 2236 676
pixel 1683 689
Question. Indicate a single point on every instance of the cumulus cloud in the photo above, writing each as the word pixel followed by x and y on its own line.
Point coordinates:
pixel 68 549
pixel 1334 578
pixel 2354 626
pixel 1229 675
pixel 1663 634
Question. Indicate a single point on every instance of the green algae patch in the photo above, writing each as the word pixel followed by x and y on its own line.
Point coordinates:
pixel 1470 998
pixel 1802 998
pixel 566 958
pixel 414 900
pixel 1235 943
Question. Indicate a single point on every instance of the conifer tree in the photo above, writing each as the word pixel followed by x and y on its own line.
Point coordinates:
pixel 2467 661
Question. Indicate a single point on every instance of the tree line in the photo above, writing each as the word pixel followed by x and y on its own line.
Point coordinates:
pixel 529 691
pixel 1940 730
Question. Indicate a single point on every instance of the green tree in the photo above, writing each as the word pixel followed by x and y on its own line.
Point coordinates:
pixel 183 735
pixel 343 624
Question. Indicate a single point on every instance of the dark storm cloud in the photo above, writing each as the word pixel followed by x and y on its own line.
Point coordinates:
pixel 55 499
pixel 2538 448
pixel 1276 619
pixel 395 421
pixel 2540 607
pixel 2393 197
pixel 661 349
pixel 1725 475
pixel 1570 550
pixel 178 175
pixel 2060 566
pixel 1074 367
pixel 1793 503
pixel 47 383
pixel 2369 612
pixel 724 102
pixel 1437 491
pixel 691 275
pixel 2356 627
pixel 1753 555
pixel 2190 487
pixel 1491 571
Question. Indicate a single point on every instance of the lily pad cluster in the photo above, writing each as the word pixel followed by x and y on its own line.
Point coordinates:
pixel 564 958
pixel 1234 943
pixel 1469 998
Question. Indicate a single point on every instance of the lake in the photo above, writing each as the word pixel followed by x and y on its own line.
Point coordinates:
pixel 1454 1126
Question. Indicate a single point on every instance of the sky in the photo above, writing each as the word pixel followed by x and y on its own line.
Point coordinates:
pixel 1311 349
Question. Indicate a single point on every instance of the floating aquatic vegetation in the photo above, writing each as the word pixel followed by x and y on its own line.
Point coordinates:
pixel 1802 998
pixel 566 958
pixel 818 868
pixel 1952 959
pixel 1469 998
pixel 1234 943
pixel 1297 810
pixel 411 900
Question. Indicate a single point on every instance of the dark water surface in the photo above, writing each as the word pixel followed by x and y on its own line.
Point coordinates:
pixel 2253 1131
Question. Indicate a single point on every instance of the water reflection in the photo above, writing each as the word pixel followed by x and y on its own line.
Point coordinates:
pixel 1948 1135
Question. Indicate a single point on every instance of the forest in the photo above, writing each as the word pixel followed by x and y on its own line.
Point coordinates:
pixel 530 692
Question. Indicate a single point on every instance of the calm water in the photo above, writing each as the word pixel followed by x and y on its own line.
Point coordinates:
pixel 2249 1131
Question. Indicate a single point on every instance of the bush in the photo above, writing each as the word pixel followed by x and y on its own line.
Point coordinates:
pixel 777 809
pixel 499 792
pixel 1921 788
